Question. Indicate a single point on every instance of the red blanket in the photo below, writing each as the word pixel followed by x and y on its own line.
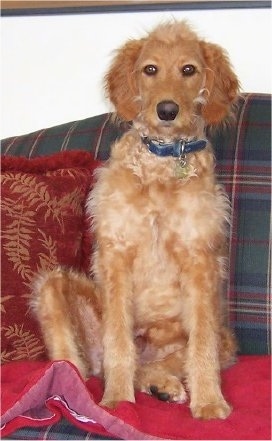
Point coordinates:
pixel 40 393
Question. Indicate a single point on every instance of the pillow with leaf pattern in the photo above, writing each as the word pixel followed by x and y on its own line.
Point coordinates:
pixel 44 224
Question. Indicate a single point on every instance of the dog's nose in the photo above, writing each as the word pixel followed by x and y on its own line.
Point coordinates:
pixel 167 110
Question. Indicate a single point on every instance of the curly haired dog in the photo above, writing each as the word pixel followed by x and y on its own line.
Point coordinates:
pixel 151 319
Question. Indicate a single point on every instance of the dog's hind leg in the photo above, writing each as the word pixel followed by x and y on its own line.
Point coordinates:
pixel 67 307
pixel 162 355
pixel 162 378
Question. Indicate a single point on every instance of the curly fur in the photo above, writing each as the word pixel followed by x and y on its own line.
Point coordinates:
pixel 152 317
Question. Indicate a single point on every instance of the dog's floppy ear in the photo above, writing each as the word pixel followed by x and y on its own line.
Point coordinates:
pixel 121 82
pixel 222 83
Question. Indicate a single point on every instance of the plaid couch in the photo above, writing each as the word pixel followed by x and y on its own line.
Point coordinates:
pixel 243 152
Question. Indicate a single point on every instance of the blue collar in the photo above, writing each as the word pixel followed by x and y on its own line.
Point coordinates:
pixel 176 148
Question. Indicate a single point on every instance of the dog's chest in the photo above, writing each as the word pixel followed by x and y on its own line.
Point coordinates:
pixel 158 224
pixel 172 221
pixel 155 275
pixel 155 271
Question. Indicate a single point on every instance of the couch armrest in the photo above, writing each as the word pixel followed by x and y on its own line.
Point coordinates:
pixel 244 167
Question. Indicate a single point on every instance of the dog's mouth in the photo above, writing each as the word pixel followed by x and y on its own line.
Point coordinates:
pixel 166 124
pixel 164 132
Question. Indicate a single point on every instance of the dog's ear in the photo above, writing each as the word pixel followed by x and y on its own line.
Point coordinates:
pixel 222 83
pixel 121 82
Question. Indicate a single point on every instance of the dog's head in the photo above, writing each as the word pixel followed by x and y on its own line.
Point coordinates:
pixel 171 82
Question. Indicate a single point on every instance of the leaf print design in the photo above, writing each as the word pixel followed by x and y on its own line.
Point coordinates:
pixel 48 260
pixel 5 299
pixel 39 214
pixel 26 345
pixel 59 208
pixel 29 188
pixel 36 194
pixel 6 356
pixel 16 236
pixel 71 172
pixel 73 201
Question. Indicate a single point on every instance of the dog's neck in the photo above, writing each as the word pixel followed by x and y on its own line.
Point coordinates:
pixel 177 148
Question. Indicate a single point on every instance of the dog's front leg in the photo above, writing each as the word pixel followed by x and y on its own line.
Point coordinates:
pixel 203 321
pixel 119 349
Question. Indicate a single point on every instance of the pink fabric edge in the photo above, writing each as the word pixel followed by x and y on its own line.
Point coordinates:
pixel 76 396
pixel 40 381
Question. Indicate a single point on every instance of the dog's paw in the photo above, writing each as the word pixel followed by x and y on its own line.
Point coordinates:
pixel 173 392
pixel 219 409
pixel 165 388
pixel 112 400
pixel 111 404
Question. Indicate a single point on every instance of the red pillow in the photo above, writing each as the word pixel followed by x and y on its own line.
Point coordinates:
pixel 44 224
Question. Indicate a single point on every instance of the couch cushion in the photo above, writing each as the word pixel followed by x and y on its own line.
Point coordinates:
pixel 43 225
pixel 243 152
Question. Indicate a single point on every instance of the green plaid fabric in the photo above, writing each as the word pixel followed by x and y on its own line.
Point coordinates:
pixel 243 152
pixel 58 431
pixel 94 134
pixel 244 167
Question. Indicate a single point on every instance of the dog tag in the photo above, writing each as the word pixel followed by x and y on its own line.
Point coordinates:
pixel 181 168
pixel 181 172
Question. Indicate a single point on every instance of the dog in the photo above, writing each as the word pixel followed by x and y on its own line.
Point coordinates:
pixel 151 317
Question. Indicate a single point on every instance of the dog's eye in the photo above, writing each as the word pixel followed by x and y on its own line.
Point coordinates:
pixel 150 69
pixel 188 70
